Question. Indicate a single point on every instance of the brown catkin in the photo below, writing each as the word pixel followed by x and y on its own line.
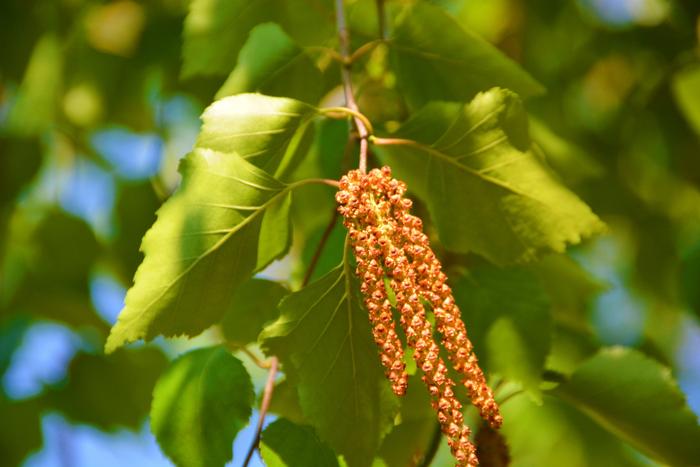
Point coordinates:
pixel 389 244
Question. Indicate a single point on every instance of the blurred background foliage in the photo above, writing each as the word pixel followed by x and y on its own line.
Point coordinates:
pixel 95 114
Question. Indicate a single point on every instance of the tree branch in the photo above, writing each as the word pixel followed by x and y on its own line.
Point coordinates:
pixel 345 71
pixel 264 406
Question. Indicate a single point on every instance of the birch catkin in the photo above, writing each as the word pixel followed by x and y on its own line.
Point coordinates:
pixel 389 243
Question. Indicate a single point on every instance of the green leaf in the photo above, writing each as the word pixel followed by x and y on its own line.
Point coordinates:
pixel 227 220
pixel 286 403
pixel 199 404
pixel 260 129
pixel 323 339
pixel 285 444
pixel 636 399
pixel 271 63
pixel 486 191
pixel 34 109
pixel 54 257
pixel 135 212
pixel 436 59
pixel 569 287
pixel 254 304
pixel 570 161
pixel 409 441
pixel 125 379
pixel 216 30
pixel 554 434
pixel 507 316
pixel 686 89
pixel 20 159
pixel 21 432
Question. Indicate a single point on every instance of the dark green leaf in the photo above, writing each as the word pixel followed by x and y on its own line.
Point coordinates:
pixel 271 63
pixel 20 159
pixel 507 315
pixel 110 391
pixel 60 253
pixel 570 288
pixel 323 338
pixel 408 442
pixel 135 212
pixel 216 30
pixel 486 191
pixel 636 398
pixel 569 160
pixel 199 404
pixel 227 220
pixel 285 444
pixel 436 59
pixel 20 433
pixel 254 304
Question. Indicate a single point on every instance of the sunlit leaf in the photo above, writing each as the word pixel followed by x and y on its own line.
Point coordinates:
pixel 254 304
pixel 285 444
pixel 271 63
pixel 323 338
pixel 486 191
pixel 199 404
pixel 227 220
pixel 553 434
pixel 262 130
pixel 436 59
pixel 637 399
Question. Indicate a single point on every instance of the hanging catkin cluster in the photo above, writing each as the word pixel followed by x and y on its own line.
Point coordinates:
pixel 390 247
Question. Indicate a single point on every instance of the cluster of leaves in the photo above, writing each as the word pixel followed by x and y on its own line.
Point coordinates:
pixel 501 193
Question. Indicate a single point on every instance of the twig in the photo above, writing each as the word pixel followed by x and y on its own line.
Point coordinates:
pixel 265 364
pixel 364 49
pixel 264 406
pixel 319 248
pixel 345 71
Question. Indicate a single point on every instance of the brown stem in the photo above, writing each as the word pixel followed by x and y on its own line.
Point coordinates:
pixel 264 406
pixel 345 71
pixel 319 248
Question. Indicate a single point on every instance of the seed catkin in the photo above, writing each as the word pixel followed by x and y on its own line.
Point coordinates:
pixel 389 244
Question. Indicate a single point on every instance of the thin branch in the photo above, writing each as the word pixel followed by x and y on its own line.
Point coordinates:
pixel 264 406
pixel 319 248
pixel 265 364
pixel 364 49
pixel 344 112
pixel 345 70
